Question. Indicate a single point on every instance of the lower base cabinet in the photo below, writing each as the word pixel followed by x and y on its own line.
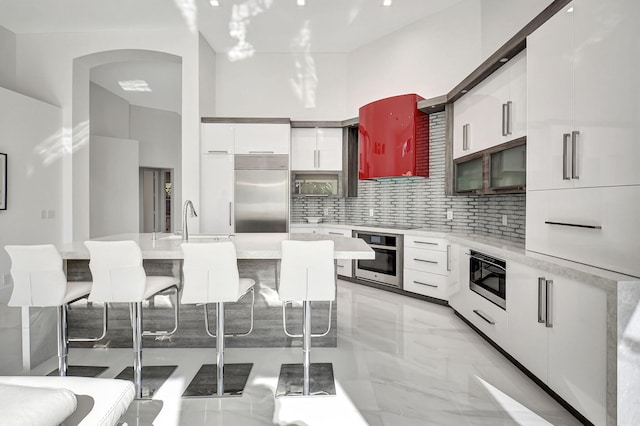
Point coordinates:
pixel 558 331
pixel 344 266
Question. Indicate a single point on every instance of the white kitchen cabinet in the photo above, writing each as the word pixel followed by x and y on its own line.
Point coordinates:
pixel 426 266
pixel 583 100
pixel 557 329
pixel 217 138
pixel 493 112
pixel 595 226
pixel 486 316
pixel 216 193
pixel 303 229
pixel 262 138
pixel 458 291
pixel 245 138
pixel 317 149
pixel 344 266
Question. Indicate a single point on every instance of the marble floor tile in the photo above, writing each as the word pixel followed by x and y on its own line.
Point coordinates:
pixel 398 362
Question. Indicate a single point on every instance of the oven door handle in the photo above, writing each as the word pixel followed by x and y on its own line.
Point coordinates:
pixel 488 262
pixel 383 247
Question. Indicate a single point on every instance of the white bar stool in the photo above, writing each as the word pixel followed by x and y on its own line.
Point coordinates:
pixel 307 273
pixel 39 280
pixel 118 277
pixel 211 276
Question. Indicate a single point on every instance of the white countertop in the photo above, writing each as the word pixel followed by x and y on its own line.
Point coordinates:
pixel 248 246
pixel 505 249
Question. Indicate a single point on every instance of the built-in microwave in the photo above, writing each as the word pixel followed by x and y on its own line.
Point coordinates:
pixel 488 277
pixel 318 184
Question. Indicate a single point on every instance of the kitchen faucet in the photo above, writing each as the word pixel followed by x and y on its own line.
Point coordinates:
pixel 188 207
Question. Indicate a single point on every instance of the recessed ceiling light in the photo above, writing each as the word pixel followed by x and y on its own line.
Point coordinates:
pixel 464 91
pixel 386 2
pixel 301 2
pixel 570 10
pixel 503 60
pixel 135 86
pixel 215 3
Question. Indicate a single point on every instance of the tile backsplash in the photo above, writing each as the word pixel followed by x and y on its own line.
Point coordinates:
pixel 422 202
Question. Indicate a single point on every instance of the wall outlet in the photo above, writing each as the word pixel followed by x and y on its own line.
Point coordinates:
pixel 449 214
pixel 370 212
pixel 504 219
pixel 51 214
pixel 326 211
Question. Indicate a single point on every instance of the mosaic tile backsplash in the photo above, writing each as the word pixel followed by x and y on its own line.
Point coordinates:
pixel 421 202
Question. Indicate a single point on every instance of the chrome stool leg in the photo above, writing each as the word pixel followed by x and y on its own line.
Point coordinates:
pixel 306 379
pixel 63 341
pixel 136 323
pixel 220 348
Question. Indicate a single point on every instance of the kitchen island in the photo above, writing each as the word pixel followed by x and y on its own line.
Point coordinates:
pixel 258 258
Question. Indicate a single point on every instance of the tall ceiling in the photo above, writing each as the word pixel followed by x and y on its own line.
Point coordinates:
pixel 237 28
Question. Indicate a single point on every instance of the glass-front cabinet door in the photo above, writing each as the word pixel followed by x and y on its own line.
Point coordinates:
pixel 508 168
pixel 469 175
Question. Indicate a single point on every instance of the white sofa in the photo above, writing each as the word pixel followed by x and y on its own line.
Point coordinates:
pixel 51 400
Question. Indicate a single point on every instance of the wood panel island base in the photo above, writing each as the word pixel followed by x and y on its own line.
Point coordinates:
pixel 258 258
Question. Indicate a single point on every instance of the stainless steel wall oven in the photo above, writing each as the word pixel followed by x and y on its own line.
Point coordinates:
pixel 488 277
pixel 386 268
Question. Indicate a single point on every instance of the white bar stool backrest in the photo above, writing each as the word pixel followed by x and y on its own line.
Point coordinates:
pixel 210 273
pixel 307 271
pixel 116 268
pixel 38 277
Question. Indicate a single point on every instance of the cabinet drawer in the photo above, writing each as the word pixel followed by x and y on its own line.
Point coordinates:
pixel 486 317
pixel 336 231
pixel 344 267
pixel 596 226
pixel 429 243
pixel 426 260
pixel 428 284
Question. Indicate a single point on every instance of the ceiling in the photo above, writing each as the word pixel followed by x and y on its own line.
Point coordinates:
pixel 237 28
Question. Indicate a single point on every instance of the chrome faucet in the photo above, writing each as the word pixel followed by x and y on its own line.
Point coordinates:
pixel 188 208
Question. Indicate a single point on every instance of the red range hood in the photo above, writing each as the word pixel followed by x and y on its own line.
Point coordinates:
pixel 393 138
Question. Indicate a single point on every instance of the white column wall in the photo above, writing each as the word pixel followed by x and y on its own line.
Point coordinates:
pixel 109 113
pixel 207 77
pixel 114 196
pixel 46 70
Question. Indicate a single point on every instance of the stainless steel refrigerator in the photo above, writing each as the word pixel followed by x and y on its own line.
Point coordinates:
pixel 261 193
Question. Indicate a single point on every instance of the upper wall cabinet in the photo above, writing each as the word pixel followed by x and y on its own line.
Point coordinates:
pixel 217 138
pixel 316 149
pixel 245 138
pixel 493 112
pixel 583 99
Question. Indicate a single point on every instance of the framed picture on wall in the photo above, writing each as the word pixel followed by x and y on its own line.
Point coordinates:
pixel 3 181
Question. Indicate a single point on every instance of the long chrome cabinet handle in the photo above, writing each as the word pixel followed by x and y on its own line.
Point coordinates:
pixel 335 233
pixel 230 211
pixel 509 117
pixel 425 261
pixel 318 151
pixel 425 242
pixel 490 321
pixel 427 284
pixel 448 257
pixel 315 158
pixel 261 152
pixel 565 157
pixel 574 154
pixel 549 313
pixel 542 283
pixel 505 113
pixel 575 225
pixel 465 137
pixel 217 152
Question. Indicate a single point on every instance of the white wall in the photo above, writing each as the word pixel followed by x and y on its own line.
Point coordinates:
pixel 109 113
pixel 428 57
pixel 31 135
pixel 298 86
pixel 114 187
pixel 502 19
pixel 158 133
pixel 7 59
pixel 48 68
pixel 207 78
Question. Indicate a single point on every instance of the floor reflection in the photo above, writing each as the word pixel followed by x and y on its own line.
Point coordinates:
pixel 399 362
